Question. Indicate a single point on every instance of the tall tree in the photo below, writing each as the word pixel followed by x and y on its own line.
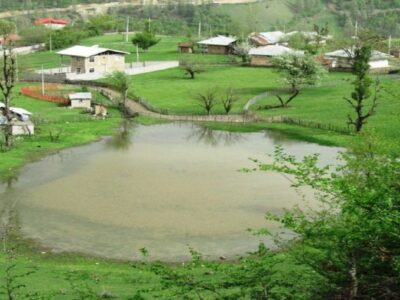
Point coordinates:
pixel 7 79
pixel 362 89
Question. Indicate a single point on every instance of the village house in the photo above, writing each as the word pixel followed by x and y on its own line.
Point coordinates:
pixel 80 100
pixel 185 47
pixel 266 38
pixel 21 123
pixel 218 45
pixel 343 59
pixel 52 23
pixel 94 59
pixel 261 56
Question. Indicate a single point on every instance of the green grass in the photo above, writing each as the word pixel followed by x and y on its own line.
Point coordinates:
pixel 173 91
pixel 76 128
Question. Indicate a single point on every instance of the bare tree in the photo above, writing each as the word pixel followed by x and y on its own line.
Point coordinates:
pixel 229 99
pixel 207 100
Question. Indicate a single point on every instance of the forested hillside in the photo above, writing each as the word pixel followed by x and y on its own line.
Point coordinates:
pixel 182 16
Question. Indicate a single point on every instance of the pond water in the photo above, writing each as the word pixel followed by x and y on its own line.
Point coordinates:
pixel 162 187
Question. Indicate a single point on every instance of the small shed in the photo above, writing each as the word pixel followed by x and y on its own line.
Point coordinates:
pixel 185 47
pixel 261 56
pixel 80 100
pixel 218 45
pixel 21 123
pixel 343 59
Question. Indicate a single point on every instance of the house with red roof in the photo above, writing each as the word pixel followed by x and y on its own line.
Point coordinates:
pixel 52 23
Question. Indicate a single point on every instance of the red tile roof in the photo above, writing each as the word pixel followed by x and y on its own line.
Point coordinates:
pixel 51 21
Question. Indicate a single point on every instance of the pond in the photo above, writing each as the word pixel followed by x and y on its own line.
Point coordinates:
pixel 162 187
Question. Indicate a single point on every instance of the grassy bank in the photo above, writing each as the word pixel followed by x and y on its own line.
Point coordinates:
pixel 72 126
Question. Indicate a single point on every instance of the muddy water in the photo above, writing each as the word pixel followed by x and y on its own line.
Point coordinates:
pixel 162 187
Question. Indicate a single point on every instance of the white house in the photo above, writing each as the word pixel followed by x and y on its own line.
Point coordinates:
pixel 218 45
pixel 94 59
pixel 80 100
pixel 342 59
pixel 21 123
pixel 261 56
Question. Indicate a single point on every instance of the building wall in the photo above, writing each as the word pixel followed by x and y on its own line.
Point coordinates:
pixel 55 26
pixel 211 49
pixel 260 60
pixel 23 129
pixel 78 65
pixel 80 103
pixel 379 64
pixel 343 63
pixel 185 50
pixel 105 63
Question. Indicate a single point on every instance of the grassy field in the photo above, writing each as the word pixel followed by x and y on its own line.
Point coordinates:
pixel 76 128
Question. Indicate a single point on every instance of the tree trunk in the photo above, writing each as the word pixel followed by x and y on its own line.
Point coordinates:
pixel 354 279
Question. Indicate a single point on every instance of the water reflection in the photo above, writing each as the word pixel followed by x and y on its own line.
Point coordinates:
pixel 214 138
pixel 122 140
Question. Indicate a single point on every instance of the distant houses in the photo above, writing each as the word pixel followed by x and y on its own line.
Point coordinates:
pixel 218 45
pixel 21 123
pixel 185 47
pixel 343 59
pixel 266 38
pixel 261 56
pixel 94 59
pixel 52 23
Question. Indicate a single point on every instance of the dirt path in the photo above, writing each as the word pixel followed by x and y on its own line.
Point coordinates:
pixel 134 107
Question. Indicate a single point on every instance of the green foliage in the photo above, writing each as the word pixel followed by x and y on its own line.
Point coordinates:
pixel 362 89
pixel 352 239
pixel 146 39
pixel 6 27
pixel 297 71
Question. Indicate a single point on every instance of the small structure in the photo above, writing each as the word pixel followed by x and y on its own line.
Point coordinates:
pixel 266 38
pixel 343 59
pixel 185 47
pixel 94 59
pixel 218 45
pixel 52 23
pixel 100 110
pixel 261 56
pixel 21 123
pixel 80 100
pixel 395 53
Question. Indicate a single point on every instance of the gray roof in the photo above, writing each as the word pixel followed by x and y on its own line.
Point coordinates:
pixel 80 96
pixel 273 50
pixel 84 51
pixel 17 110
pixel 349 53
pixel 220 40
pixel 273 37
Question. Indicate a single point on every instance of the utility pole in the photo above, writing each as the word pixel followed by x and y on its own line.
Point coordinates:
pixel 42 81
pixel 390 44
pixel 200 29
pixel 16 68
pixel 51 44
pixel 356 29
pixel 137 53
pixel 127 30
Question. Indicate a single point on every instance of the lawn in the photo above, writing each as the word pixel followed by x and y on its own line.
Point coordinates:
pixel 173 91
pixel 75 128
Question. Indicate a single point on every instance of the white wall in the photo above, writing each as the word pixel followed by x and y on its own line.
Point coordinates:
pixel 80 103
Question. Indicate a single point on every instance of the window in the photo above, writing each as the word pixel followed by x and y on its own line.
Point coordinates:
pixel 91 59
pixel 91 70
pixel 78 70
